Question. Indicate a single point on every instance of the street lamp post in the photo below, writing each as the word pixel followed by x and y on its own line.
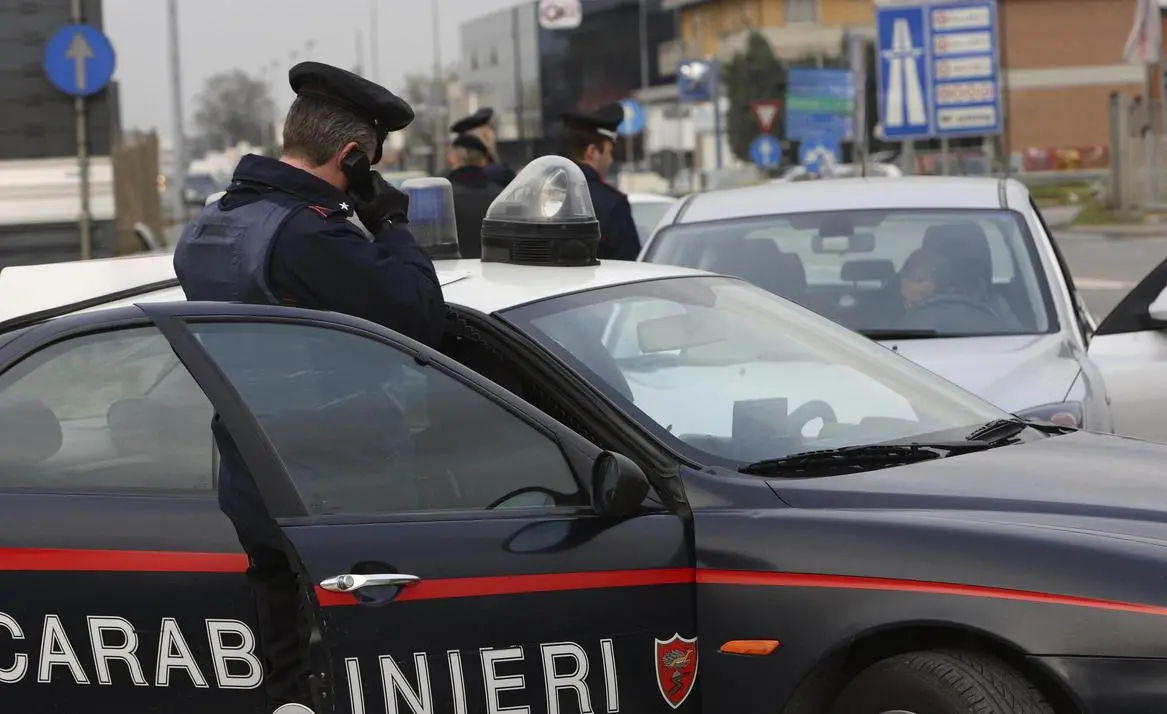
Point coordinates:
pixel 179 139
pixel 438 100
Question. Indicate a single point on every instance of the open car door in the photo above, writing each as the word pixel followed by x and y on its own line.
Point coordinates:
pixel 1130 349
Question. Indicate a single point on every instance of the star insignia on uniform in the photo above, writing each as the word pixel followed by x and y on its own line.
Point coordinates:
pixel 344 206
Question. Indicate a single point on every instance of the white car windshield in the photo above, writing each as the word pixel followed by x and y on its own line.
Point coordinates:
pixel 730 373
pixel 904 272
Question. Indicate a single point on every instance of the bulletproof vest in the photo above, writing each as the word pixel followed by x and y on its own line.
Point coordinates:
pixel 240 238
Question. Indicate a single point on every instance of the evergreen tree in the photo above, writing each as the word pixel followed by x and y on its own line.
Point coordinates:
pixel 752 75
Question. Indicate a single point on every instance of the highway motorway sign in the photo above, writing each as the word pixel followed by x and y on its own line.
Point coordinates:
pixel 79 60
pixel 938 69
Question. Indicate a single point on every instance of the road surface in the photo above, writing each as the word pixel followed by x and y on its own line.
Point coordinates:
pixel 1105 269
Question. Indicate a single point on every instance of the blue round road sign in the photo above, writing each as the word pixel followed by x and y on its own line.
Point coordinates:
pixel 633 118
pixel 79 60
pixel 814 152
pixel 766 151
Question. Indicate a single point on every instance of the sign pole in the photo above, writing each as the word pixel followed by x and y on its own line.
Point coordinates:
pixel 80 115
pixel 717 114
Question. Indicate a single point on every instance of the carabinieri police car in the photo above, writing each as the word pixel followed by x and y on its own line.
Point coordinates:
pixel 638 488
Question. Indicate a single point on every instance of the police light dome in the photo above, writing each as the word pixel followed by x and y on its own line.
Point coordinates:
pixel 431 216
pixel 543 217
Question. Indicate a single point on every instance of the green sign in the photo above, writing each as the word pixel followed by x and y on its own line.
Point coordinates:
pixel 819 104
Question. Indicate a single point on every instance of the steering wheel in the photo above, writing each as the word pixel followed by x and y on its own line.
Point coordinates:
pixel 955 300
pixel 805 414
pixel 526 497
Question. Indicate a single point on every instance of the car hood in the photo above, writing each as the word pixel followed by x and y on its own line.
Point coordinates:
pixel 1082 481
pixel 1014 372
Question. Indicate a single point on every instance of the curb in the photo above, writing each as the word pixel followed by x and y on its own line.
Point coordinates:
pixel 1144 230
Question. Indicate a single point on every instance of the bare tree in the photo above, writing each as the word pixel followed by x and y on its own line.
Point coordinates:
pixel 234 107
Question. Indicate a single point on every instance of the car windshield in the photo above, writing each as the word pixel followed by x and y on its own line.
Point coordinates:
pixel 728 373
pixel 647 214
pixel 933 273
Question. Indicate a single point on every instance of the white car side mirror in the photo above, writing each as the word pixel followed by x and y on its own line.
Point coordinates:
pixel 1157 310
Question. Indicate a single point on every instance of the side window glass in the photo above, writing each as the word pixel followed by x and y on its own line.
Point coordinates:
pixel 362 428
pixel 105 412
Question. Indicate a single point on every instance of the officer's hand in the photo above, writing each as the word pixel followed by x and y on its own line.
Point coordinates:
pixel 381 203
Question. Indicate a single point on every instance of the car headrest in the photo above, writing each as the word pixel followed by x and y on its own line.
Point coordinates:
pixel 29 432
pixel 761 262
pixel 962 241
pixel 854 271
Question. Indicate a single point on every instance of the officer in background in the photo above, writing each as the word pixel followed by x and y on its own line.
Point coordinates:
pixel 317 229
pixel 589 140
pixel 473 191
pixel 478 125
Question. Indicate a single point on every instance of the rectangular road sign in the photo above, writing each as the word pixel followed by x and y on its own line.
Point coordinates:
pixel 939 69
pixel 819 102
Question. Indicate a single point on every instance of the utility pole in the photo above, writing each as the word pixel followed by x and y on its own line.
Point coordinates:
pixel 374 32
pixel 438 100
pixel 179 138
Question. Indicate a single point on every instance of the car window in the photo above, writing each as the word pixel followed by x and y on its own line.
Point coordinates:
pixel 732 373
pixel 363 428
pixel 932 272
pixel 101 412
pixel 647 214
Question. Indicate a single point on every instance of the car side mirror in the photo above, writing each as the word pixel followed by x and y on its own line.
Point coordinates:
pixel 618 485
pixel 1157 310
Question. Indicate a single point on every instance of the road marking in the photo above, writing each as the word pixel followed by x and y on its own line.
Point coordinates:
pixel 1101 284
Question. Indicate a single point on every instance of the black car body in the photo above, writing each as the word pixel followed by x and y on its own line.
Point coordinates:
pixel 642 576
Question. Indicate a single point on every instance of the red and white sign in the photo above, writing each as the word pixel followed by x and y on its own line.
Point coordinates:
pixel 560 14
pixel 766 111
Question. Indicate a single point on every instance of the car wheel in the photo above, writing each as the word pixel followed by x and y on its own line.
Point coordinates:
pixel 940 682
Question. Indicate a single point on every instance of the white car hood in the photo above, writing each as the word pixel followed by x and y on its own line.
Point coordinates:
pixel 1012 372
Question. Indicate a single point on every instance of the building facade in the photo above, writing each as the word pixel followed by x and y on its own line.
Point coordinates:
pixel 530 74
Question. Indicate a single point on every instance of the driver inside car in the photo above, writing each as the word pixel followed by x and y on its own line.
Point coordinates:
pixel 936 297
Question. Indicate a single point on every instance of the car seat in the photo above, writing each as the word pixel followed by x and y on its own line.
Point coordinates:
pixel 760 261
pixel 30 434
pixel 967 245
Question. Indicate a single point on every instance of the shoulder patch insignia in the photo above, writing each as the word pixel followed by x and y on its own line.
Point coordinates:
pixel 676 668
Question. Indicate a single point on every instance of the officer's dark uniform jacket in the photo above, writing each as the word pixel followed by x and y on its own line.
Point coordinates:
pixel 473 194
pixel 618 237
pixel 289 236
pixel 500 174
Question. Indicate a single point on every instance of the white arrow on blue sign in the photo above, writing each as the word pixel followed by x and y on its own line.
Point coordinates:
pixel 766 151
pixel 814 153
pixel 79 60
pixel 633 118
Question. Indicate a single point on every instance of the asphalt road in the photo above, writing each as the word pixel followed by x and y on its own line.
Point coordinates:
pixel 1105 269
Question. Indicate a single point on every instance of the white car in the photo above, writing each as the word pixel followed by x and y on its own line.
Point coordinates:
pixel 647 210
pixel 1022 337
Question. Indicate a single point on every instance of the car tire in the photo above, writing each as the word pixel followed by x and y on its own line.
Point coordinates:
pixel 940 682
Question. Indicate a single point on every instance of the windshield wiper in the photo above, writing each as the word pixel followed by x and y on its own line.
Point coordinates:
pixel 998 430
pixel 895 334
pixel 859 458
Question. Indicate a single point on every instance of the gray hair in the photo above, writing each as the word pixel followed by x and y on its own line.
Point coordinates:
pixel 316 129
pixel 468 157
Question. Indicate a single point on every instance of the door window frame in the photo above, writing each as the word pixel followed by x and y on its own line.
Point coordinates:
pixel 262 459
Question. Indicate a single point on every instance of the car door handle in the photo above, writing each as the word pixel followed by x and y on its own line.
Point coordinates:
pixel 349 582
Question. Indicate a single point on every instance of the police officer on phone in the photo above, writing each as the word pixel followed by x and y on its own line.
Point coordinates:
pixel 316 229
pixel 478 125
pixel 589 139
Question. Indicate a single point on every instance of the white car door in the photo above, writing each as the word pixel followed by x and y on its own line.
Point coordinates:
pixel 1130 349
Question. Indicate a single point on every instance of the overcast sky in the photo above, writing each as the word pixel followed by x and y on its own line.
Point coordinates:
pixel 251 34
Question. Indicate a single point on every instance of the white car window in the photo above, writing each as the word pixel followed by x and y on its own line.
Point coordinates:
pixel 929 272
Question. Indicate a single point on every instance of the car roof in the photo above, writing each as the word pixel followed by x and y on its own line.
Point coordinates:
pixel 486 287
pixel 650 198
pixel 851 193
